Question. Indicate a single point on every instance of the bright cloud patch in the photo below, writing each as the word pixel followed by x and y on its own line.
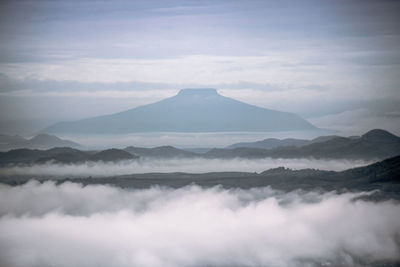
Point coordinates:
pixel 70 225
pixel 193 165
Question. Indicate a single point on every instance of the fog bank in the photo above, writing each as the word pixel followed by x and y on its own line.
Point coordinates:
pixel 71 225
pixel 194 165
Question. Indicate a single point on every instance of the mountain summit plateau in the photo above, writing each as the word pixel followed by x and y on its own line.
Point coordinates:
pixel 191 110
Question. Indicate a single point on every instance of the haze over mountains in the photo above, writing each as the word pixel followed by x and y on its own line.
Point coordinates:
pixel 64 155
pixel 40 141
pixel 380 176
pixel 270 143
pixel 374 145
pixel 191 110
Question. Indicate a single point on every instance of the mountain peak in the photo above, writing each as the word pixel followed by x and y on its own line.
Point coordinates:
pixel 191 110
pixel 45 137
pixel 379 134
pixel 198 92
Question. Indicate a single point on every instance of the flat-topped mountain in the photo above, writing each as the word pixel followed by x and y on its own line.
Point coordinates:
pixel 191 110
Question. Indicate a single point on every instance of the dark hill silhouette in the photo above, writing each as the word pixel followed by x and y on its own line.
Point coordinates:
pixel 271 143
pixel 383 176
pixel 28 156
pixel 61 155
pixel 375 144
pixel 191 110
pixel 23 155
pixel 379 135
pixel 112 154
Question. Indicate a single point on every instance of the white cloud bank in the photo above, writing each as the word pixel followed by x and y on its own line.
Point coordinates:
pixel 70 225
pixel 193 165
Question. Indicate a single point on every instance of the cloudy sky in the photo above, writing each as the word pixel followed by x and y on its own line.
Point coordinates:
pixel 335 63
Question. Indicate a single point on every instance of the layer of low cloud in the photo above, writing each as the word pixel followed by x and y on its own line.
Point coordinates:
pixel 70 225
pixel 195 165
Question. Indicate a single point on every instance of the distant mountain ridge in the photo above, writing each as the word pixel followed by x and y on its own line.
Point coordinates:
pixel 65 155
pixel 191 110
pixel 40 141
pixel 271 143
pixel 381 179
pixel 10 139
pixel 373 145
pixel 161 152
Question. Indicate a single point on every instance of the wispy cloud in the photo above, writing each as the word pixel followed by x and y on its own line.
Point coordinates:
pixel 195 165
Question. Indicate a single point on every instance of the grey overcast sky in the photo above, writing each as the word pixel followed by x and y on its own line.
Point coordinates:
pixel 336 63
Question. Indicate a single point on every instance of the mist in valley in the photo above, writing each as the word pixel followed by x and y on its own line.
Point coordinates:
pixel 184 140
pixel 199 133
pixel 69 225
pixel 189 165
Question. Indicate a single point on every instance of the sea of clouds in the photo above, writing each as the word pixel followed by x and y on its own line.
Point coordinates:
pixel 192 165
pixel 45 224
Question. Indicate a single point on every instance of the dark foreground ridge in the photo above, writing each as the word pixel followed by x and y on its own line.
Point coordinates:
pixel 191 110
pixel 382 176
